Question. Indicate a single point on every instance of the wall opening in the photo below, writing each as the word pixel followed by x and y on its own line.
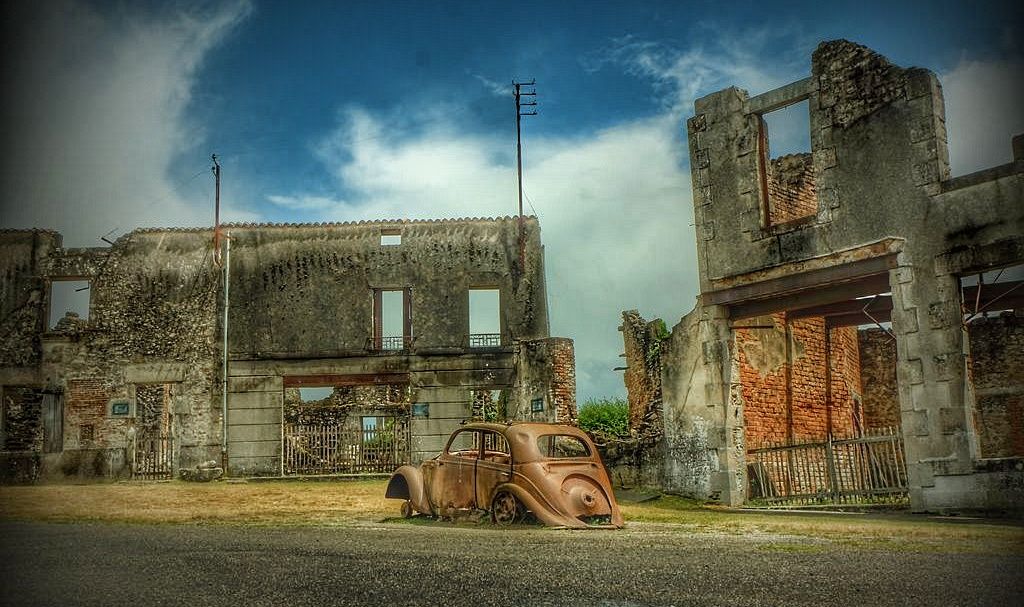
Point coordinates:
pixel 484 318
pixel 490 405
pixel 69 302
pixel 390 237
pixel 992 302
pixel 392 319
pixel 786 167
pixel 345 429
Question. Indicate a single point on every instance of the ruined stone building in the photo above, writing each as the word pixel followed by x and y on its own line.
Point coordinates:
pixel 852 298
pixel 351 347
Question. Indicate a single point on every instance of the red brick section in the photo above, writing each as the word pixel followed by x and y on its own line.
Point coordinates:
pixel 86 404
pixel 791 189
pixel 643 366
pixel 764 377
pixel 563 380
pixel 878 377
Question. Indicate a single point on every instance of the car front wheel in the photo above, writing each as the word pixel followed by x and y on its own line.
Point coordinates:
pixel 506 509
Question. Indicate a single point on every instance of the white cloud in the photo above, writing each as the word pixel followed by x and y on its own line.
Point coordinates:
pixel 983 112
pixel 94 115
pixel 498 89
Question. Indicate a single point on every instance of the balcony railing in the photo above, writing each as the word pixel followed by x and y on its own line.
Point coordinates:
pixel 390 343
pixel 485 340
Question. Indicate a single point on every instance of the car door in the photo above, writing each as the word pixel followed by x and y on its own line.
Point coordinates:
pixel 493 467
pixel 453 484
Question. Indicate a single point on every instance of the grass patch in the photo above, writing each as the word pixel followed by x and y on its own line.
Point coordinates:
pixel 359 501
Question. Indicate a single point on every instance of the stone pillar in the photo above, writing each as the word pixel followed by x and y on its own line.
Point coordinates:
pixel 936 403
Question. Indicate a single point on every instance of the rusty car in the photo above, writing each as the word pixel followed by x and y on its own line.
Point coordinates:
pixel 509 470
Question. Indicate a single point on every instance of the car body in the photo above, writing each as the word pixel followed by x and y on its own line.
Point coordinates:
pixel 550 470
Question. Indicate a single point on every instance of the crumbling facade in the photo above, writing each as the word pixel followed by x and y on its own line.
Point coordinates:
pixel 866 229
pixel 374 314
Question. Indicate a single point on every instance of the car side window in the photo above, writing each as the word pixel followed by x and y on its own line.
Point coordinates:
pixel 495 447
pixel 464 444
pixel 562 445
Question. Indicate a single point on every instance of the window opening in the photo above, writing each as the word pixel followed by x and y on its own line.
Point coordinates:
pixel 390 238
pixel 562 445
pixel 490 405
pixel 69 303
pixel 392 319
pixel 788 189
pixel 484 318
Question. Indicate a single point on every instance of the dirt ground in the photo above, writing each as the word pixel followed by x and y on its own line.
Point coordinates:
pixel 361 502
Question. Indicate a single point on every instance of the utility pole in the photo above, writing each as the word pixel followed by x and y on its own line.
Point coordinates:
pixel 518 93
pixel 216 212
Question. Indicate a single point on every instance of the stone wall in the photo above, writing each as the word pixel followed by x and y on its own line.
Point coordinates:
pixel 642 343
pixel 878 378
pixel 997 371
pixel 546 375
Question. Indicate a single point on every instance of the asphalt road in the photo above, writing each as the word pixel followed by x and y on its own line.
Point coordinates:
pixel 113 564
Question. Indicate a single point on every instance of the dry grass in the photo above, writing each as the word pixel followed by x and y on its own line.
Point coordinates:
pixel 177 502
pixel 348 502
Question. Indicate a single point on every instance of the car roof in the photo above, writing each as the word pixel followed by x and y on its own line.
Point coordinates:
pixel 522 436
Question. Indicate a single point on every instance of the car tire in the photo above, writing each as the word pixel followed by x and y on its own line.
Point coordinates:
pixel 506 509
pixel 407 509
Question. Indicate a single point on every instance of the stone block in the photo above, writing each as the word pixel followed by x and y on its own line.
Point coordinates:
pixel 270 449
pixel 256 383
pixel 155 373
pixel 239 417
pixel 248 433
pixel 255 400
pixel 951 420
pixel 915 422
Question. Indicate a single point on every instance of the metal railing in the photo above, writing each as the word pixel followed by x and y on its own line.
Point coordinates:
pixel 485 340
pixel 335 449
pixel 870 468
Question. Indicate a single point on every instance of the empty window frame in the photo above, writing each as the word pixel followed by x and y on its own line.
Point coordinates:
pixel 390 237
pixel 68 296
pixel 788 189
pixel 392 319
pixel 484 318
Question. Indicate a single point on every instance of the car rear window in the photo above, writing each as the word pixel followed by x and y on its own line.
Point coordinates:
pixel 562 445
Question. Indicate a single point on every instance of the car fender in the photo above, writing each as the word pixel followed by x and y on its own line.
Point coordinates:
pixel 407 483
pixel 543 512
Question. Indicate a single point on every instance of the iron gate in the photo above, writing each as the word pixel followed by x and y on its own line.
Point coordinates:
pixel 870 468
pixel 153 456
pixel 317 449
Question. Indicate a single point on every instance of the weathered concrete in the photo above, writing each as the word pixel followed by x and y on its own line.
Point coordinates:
pixel 302 313
pixel 886 217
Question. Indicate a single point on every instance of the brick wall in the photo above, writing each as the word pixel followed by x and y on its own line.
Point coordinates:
pixel 563 380
pixel 997 370
pixel 85 405
pixel 763 356
pixel 791 188
pixel 878 377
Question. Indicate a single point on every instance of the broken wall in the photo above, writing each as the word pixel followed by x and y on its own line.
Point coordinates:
pixel 901 226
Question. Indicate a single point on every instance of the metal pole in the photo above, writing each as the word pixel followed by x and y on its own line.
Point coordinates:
pixel 224 368
pixel 519 173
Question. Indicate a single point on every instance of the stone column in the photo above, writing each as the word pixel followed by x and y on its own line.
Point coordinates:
pixel 936 403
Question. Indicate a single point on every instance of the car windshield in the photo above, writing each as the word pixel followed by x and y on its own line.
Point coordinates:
pixel 561 446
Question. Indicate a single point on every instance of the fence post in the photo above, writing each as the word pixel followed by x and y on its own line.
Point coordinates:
pixel 832 476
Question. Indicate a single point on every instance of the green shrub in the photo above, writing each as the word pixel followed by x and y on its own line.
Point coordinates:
pixel 609 416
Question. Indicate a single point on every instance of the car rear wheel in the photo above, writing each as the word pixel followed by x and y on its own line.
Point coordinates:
pixel 407 510
pixel 506 509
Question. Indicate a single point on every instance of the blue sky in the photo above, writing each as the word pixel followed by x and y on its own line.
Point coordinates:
pixel 327 111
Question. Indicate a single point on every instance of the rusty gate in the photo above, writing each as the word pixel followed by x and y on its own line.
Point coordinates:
pixel 865 469
pixel 153 456
pixel 378 444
